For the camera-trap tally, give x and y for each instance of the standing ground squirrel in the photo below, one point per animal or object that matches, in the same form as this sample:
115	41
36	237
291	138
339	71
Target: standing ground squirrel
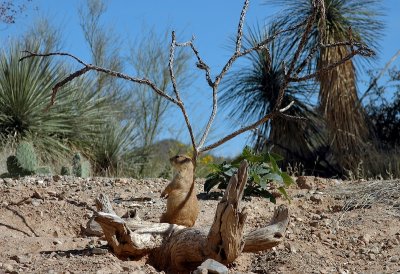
182	204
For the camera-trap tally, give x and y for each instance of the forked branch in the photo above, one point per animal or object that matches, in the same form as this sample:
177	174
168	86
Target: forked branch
292	72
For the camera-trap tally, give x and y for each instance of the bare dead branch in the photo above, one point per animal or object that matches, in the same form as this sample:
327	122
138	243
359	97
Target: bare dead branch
238	132
222	73
295	58
268	40
175	88
239	35
143	81
32	54
374	81
202	65
364	51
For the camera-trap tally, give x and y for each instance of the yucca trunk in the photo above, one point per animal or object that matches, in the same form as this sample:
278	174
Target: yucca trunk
340	106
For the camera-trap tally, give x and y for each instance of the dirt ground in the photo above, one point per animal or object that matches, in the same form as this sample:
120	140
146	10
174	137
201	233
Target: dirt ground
335	226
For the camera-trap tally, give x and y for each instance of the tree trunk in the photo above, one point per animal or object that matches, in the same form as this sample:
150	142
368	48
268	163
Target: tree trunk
176	248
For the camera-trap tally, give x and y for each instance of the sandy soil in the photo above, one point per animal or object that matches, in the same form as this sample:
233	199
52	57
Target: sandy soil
332	228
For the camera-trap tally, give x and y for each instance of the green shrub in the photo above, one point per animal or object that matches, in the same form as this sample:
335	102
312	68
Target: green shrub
25	94
263	171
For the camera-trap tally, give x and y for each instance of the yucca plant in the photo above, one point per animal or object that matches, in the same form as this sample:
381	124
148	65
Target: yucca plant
25	92
113	151
338	99
255	89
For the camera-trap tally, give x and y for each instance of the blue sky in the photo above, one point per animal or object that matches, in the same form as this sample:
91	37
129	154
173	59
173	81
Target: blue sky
212	22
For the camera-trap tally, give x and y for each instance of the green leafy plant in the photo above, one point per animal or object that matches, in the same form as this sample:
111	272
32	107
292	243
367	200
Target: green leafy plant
264	175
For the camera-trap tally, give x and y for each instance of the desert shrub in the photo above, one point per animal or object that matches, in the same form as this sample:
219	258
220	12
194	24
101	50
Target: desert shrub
25	92
113	152
264	173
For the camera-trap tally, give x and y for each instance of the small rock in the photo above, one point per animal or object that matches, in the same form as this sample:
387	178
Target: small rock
135	205
317	198
52	193
305	182
8	267
37	195
394	259
57	242
372	257
99	251
39	182
366	238
375	250
200	271
36	202
56	178
8	181
22	259
102	242
213	267
290	247
314	223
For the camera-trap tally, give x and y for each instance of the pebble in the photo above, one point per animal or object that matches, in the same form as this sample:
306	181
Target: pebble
99	251
372	257
57	242
394	259
35	202
316	198
314	223
375	250
8	267
212	266
22	259
366	238
290	247
305	182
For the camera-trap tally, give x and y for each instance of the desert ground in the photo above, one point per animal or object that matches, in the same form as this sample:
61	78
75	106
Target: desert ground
335	226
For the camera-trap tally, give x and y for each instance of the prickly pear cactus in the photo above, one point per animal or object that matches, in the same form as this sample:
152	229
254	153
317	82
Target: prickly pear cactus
26	157
80	166
12	166
65	170
43	170
85	169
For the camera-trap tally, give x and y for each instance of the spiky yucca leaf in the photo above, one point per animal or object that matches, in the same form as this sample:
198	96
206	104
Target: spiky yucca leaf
113	152
25	91
255	89
339	102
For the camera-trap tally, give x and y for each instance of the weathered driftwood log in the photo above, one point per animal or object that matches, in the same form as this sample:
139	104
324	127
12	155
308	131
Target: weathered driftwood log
176	248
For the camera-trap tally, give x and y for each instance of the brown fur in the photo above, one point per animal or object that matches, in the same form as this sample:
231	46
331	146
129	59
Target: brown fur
182	204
